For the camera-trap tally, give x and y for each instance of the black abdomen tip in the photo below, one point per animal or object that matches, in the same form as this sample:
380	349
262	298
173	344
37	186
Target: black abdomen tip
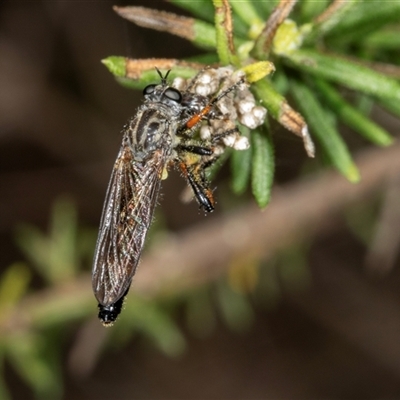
108	314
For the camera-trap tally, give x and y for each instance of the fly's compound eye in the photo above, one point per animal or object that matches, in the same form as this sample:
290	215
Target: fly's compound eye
149	89
173	94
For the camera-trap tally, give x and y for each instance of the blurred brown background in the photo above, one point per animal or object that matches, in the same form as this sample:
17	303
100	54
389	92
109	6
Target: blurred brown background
61	113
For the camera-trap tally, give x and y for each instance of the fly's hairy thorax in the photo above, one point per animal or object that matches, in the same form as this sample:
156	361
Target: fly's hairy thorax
153	128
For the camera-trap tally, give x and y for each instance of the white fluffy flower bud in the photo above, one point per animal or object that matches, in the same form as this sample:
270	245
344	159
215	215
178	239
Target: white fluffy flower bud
206	132
229	140
242	143
260	113
179	83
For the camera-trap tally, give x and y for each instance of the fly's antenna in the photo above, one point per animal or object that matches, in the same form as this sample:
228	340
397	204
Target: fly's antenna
163	78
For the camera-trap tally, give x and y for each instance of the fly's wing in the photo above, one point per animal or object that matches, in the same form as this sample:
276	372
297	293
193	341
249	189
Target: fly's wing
127	214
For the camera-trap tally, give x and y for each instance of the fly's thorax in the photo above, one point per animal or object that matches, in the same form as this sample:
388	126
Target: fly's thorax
193	102
151	129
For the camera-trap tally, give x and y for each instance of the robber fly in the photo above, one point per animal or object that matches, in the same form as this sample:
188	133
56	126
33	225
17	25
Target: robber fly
159	134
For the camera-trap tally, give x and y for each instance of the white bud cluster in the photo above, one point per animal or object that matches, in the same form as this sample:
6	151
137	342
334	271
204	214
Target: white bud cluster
242	143
179	83
206	132
207	83
234	139
240	105
250	114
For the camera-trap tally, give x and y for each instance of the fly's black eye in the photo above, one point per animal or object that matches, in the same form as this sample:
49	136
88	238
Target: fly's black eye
149	89
173	94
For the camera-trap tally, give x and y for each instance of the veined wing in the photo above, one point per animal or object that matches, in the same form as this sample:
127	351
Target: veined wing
127	214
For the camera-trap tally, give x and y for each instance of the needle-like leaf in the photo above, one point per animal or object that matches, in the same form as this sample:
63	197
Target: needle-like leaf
352	117
345	72
325	131
263	166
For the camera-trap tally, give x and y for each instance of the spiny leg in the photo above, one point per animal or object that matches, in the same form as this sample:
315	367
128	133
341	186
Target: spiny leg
203	113
196	178
216	138
199	150
186	128
194	170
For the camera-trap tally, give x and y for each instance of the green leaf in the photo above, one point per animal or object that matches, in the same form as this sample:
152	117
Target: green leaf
391	105
200	8
55	256
194	30
212	171
14	284
116	65
366	17
266	6
147	317
204	10
341	9
262	166
386	39
345	72
364	104
311	8
325	131
200	313
293	270
136	74
206	58
204	34
64	235
235	308
62	308
25	353
246	11
241	166
36	248
280	110
269	97
224	33
281	82
352	117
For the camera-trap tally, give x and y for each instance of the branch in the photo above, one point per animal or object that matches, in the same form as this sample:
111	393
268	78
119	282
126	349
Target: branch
204	253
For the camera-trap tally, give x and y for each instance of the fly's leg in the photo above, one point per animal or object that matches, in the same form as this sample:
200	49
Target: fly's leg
194	168
193	159
199	150
186	128
195	119
196	177
219	136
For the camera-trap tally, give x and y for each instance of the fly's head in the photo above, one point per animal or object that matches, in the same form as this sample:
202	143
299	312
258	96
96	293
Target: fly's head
154	126
163	94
